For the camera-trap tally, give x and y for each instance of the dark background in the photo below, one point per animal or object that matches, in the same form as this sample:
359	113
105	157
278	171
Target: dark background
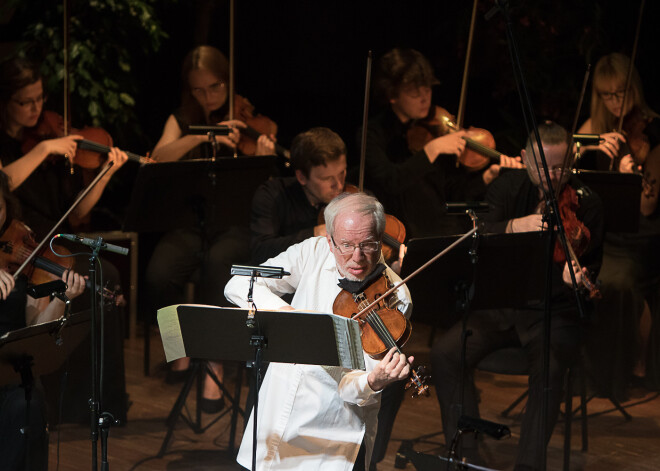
303	63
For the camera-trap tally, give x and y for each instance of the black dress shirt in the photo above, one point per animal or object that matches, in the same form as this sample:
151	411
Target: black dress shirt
513	195
281	216
410	186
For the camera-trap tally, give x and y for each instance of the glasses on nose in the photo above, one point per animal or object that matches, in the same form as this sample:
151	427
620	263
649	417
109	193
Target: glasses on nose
29	103
607	96
213	89
347	249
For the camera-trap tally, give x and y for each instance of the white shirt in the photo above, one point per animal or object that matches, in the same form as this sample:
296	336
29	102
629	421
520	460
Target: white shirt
310	417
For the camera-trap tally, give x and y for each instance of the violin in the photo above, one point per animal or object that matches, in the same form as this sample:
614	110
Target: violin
257	125
480	144
96	142
578	236
17	244
382	327
634	126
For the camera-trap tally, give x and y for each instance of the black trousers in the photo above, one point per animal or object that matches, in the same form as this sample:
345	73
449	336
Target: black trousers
390	402
492	330
20	451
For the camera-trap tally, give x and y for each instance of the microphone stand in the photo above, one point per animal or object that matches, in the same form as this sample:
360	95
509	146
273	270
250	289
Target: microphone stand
554	218
99	420
257	341
466	295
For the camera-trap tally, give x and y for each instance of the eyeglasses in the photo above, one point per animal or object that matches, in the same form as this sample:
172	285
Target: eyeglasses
213	89
347	249
607	96
30	103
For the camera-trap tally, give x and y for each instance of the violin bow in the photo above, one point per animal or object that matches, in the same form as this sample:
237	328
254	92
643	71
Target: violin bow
65	55
461	104
80	197
416	272
630	70
232	62
365	116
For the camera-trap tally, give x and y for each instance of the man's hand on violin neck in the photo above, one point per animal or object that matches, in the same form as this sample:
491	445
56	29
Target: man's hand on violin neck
393	367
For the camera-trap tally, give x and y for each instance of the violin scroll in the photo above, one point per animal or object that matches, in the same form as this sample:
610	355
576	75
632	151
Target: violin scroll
417	382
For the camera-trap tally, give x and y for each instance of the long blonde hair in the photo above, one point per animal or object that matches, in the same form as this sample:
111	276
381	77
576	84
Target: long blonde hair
206	58
613	69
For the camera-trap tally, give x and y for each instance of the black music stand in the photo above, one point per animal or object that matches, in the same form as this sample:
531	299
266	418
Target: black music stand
171	195
194	194
470	278
38	350
209	332
523	288
620	194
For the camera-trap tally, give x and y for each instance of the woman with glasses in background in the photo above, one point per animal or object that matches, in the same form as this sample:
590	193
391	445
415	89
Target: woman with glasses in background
624	339
205	78
641	130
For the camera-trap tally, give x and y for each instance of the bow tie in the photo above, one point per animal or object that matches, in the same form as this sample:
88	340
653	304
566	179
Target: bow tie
355	287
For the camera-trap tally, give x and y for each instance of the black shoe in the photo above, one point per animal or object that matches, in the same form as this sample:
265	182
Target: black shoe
176	376
212	406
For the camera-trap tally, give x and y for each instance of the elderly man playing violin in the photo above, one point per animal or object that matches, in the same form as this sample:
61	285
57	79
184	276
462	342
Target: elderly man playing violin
316	417
516	203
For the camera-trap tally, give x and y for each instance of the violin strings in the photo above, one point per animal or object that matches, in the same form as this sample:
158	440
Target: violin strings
376	323
379	328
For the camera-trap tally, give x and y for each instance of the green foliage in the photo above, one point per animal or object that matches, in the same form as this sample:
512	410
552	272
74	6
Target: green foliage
108	41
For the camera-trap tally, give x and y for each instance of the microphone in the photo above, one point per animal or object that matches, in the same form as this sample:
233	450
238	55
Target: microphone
217	129
260	271
587	139
95	243
461	208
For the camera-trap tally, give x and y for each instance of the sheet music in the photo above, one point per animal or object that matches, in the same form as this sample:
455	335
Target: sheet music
349	342
170	332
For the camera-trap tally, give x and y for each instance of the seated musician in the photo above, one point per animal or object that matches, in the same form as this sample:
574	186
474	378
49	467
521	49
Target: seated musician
629	146
414	185
629	277
515	199
322	417
205	76
286	210
180	254
47	188
18	310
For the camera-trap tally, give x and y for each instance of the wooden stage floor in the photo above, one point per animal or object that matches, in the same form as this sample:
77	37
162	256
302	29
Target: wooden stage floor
614	443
